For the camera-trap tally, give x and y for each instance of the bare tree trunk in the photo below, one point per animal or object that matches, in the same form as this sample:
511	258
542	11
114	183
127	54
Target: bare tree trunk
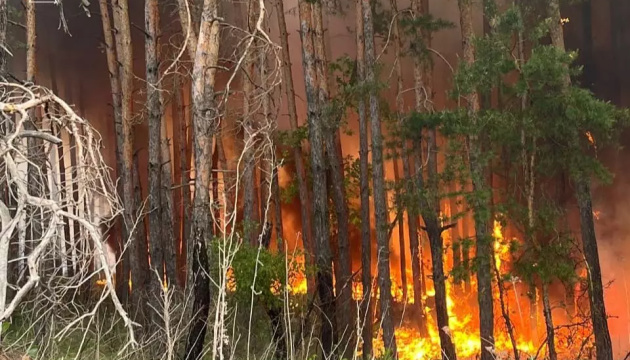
343	272
504	310
287	80
154	110
184	172
114	79
364	189
551	338
4	17
484	241
320	224
378	180
166	201
125	72
140	269
589	240
205	121
251	217
401	232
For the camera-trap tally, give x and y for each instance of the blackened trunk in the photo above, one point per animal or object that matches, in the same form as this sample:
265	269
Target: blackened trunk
439	283
603	343
551	337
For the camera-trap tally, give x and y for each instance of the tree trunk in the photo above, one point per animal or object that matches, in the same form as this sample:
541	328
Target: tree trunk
484	241
154	110
251	217
318	171
378	179
589	240
551	338
430	206
140	269
401	232
125	72
300	172
4	17
343	273
603	343
504	309
114	80
205	120
364	189
167	211
184	171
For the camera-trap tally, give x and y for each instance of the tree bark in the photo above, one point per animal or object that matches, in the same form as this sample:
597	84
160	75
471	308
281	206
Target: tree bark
140	269
4	17
603	344
430	205
324	278
125	72
184	171
378	180
300	172
401	232
205	119
551	338
154	110
484	242
364	189
167	211
251	217
343	273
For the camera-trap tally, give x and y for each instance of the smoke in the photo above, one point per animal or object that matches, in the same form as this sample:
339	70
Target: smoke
79	67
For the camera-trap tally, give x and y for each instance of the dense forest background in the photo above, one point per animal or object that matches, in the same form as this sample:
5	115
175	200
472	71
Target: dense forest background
74	65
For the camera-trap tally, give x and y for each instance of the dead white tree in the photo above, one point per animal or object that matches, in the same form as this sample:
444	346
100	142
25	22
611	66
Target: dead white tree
93	203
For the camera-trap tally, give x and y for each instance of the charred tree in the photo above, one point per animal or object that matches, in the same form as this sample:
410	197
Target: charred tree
603	343
477	170
324	278
205	119
364	190
378	180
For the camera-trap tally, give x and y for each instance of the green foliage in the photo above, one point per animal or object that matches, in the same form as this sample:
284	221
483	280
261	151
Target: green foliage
262	271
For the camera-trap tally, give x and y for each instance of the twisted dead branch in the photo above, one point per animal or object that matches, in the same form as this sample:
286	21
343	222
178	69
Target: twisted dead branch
52	206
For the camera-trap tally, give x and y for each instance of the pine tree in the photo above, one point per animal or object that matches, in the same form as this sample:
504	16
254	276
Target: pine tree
484	243
378	181
205	120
